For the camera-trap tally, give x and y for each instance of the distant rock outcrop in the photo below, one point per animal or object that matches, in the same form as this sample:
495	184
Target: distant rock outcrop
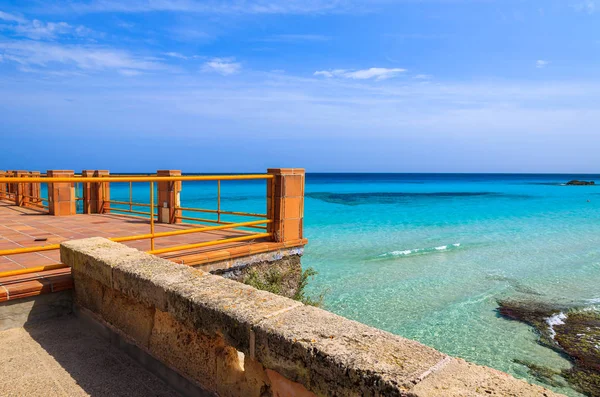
580	183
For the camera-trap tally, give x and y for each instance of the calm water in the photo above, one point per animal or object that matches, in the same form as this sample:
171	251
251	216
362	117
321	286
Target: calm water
426	256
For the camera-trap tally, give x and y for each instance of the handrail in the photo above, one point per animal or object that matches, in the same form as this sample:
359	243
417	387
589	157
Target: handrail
134	178
139	237
222	212
209	243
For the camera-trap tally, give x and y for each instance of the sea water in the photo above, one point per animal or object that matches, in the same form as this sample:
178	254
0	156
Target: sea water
427	256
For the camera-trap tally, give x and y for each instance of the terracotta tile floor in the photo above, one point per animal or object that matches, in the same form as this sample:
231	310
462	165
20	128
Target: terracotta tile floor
21	227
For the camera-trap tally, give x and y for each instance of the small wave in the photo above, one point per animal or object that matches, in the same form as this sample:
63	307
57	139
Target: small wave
401	253
593	301
555	319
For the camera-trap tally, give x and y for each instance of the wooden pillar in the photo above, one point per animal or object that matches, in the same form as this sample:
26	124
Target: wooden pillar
21	189
96	195
2	186
61	195
35	189
87	192
285	203
169	198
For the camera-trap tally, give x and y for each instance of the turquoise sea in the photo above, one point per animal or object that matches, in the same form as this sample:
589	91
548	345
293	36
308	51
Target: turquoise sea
426	256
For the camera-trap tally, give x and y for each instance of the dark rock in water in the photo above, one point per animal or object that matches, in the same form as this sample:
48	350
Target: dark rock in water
580	183
571	331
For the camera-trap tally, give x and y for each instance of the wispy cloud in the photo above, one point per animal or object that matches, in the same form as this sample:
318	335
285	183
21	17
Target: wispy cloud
216	6
423	76
364	74
11	17
36	29
223	66
540	64
87	58
286	38
179	55
588	6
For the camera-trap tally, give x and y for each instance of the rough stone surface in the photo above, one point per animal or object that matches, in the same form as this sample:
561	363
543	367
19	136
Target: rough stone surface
209	323
333	355
192	353
460	378
213	304
147	278
96	257
132	317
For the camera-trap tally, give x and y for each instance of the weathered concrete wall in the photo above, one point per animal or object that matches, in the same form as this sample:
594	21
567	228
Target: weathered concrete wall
234	340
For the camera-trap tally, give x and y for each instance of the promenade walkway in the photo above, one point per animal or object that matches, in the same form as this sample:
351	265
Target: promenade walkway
26	227
61	357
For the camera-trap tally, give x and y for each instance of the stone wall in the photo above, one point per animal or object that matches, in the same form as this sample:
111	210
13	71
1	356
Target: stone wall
234	340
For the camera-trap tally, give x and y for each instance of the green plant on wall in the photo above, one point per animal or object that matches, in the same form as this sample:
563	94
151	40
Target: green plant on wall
272	281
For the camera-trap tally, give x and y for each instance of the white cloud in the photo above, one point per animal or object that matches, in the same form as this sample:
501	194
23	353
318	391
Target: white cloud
179	55
36	29
89	58
364	74
224	66
11	17
176	55
588	6
285	38
218	6
540	64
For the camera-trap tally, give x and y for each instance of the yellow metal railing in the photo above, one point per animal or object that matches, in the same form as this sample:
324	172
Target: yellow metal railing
152	179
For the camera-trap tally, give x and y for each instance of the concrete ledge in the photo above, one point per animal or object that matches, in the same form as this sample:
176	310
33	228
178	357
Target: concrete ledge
237	341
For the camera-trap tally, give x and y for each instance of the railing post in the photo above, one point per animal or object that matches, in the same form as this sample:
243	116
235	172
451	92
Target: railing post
103	189
96	195
285	203
9	186
2	186
35	188
20	189
169	198
86	188
61	196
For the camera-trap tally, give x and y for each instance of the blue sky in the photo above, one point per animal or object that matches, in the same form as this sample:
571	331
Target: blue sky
234	86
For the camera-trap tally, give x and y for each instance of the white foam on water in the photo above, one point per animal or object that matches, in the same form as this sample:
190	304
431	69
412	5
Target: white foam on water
593	300
420	250
556	319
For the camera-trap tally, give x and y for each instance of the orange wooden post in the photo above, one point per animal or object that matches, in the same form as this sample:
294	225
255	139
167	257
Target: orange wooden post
87	193
35	188
285	203
61	196
21	189
2	186
169	198
96	195
9	186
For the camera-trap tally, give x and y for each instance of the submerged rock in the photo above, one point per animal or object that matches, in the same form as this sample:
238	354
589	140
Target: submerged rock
573	331
580	183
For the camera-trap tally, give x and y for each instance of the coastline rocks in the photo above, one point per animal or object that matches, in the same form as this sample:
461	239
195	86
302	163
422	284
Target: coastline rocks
580	183
572	331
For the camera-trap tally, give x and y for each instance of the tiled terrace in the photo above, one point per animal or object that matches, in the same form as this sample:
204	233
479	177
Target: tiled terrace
26	227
